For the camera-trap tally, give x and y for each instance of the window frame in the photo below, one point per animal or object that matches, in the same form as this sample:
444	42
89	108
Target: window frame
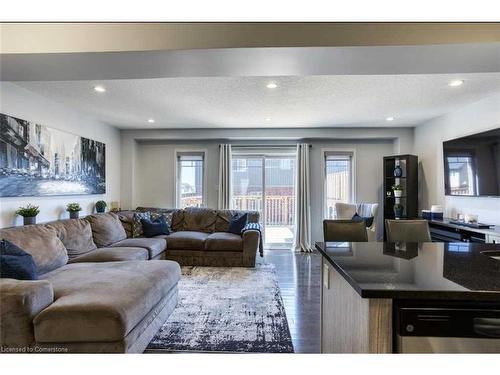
325	152
461	154
177	189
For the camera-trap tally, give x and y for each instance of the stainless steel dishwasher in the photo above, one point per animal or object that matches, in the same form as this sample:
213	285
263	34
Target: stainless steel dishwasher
453	329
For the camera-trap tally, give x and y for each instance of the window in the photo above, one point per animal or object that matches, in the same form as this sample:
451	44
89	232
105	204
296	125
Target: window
461	175
190	179
263	179
240	165
338	180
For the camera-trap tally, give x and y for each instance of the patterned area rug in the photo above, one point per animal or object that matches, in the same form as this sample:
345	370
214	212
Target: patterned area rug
226	309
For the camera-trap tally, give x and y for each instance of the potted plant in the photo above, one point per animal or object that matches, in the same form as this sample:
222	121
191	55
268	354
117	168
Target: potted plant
398	210
28	213
100	206
398	190
74	210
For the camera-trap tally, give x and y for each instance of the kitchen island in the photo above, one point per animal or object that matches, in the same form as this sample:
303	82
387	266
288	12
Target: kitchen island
406	297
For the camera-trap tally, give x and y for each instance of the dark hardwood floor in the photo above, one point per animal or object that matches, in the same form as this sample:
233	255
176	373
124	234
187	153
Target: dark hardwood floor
299	280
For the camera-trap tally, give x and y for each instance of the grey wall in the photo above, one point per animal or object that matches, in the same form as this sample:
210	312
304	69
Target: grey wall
156	174
18	102
474	118
148	166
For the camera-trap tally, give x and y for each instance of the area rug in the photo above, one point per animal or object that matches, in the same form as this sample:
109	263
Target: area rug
226	309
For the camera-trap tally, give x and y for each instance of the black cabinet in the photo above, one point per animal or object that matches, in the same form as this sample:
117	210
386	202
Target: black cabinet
443	231
401	170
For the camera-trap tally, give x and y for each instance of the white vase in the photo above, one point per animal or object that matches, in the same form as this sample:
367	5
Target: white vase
398	193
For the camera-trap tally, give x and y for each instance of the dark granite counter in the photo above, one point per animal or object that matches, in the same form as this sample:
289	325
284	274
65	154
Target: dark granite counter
443	271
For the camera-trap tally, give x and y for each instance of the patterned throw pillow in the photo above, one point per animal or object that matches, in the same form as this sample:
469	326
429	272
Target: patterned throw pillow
137	230
166	215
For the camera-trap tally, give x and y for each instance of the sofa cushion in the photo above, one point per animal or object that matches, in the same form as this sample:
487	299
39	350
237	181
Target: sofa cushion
167	216
224	217
15	263
113	254
20	302
199	219
76	235
41	242
187	240
174	216
223	241
368	220
237	223
154	246
103	301
178	220
106	229
126	217
137	230
152	228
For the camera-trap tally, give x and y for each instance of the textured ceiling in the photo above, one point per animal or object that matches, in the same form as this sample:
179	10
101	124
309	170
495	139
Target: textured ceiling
298	101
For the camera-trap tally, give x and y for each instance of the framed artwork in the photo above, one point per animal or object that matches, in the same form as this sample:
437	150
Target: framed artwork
36	160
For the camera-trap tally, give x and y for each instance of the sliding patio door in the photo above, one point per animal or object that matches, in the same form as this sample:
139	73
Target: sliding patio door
265	182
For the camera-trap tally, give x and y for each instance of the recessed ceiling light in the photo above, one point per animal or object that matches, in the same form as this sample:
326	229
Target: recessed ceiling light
268	119
271	85
390	118
151	120
456	83
99	89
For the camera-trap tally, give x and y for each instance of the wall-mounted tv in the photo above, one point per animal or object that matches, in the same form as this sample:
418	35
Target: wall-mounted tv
472	165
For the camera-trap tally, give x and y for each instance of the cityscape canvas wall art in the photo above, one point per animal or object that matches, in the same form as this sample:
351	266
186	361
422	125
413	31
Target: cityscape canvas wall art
36	160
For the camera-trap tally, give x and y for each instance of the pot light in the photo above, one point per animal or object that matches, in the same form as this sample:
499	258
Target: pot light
456	83
151	120
271	85
268	119
99	89
390	118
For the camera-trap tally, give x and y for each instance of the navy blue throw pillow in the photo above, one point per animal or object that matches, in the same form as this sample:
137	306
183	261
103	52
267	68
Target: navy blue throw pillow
237	223
15	263
368	220
155	228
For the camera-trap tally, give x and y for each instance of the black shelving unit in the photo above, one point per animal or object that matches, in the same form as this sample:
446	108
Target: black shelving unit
409	181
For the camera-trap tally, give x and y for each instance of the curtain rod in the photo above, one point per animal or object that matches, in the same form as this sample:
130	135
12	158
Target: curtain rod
266	146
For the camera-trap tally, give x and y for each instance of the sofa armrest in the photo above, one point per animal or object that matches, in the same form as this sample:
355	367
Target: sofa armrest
251	240
20	302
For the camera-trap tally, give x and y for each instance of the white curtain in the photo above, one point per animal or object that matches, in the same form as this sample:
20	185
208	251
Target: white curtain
303	201
224	201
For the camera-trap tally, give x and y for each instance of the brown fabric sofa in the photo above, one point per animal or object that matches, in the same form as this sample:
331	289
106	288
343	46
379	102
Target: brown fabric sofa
200	237
95	292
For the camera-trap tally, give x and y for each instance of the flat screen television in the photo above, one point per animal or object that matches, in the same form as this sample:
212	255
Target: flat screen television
472	165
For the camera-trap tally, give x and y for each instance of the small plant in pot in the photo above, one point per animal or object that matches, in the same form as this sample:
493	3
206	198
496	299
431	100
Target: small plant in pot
100	206
28	213
398	190
398	210
74	210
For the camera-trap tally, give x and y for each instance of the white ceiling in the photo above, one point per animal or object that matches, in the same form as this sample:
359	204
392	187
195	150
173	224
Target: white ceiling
245	102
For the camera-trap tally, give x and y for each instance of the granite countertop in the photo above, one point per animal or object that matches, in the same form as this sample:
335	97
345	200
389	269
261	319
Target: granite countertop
444	271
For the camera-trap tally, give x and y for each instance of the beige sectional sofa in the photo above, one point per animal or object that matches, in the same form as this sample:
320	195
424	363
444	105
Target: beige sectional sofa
200	236
95	293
